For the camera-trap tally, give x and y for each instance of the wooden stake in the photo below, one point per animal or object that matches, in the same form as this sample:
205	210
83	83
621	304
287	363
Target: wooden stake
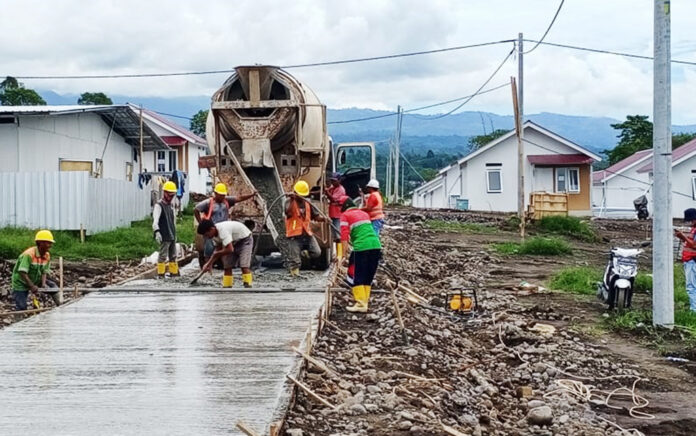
60	286
311	393
397	310
274	429
25	312
452	431
317	363
246	429
82	234
76	293
117	264
335	327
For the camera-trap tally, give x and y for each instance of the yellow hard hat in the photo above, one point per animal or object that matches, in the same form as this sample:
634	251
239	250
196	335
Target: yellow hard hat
169	187
44	235
221	188
302	188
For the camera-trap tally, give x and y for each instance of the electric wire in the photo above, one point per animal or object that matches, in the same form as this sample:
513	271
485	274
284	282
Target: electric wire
547	29
228	71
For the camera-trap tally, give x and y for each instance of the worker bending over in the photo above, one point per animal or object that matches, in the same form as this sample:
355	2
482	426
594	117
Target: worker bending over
164	231
234	244
689	256
32	267
335	192
299	214
217	209
373	205
357	229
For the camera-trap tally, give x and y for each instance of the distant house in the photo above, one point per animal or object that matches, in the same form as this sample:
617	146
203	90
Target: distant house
103	140
487	178
185	148
615	188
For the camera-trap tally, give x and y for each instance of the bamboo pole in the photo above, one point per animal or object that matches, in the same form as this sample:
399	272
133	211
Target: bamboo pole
25	312
317	363
60	285
247	430
311	393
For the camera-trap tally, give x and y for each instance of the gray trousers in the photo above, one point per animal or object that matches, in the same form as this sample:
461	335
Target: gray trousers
299	243
167	251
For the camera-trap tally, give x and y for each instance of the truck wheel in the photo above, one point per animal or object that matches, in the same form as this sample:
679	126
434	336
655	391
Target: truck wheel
324	260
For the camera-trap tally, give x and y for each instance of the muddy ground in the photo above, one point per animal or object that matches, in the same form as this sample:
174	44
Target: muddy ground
495	372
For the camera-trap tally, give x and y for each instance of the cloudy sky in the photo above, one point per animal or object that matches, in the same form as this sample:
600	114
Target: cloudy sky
110	37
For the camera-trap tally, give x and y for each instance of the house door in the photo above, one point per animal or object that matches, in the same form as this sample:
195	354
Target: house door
543	179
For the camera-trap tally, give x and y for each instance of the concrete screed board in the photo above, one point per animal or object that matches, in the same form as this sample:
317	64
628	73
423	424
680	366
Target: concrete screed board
154	364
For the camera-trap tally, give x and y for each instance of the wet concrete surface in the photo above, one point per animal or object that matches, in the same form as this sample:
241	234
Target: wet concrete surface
151	364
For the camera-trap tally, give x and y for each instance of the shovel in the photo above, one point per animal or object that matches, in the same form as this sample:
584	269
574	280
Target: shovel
200	274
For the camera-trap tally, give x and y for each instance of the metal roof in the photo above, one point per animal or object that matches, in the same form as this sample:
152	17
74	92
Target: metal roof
173	127
678	155
125	120
620	166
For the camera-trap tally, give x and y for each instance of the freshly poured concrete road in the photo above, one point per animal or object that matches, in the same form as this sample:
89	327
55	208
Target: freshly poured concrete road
151	364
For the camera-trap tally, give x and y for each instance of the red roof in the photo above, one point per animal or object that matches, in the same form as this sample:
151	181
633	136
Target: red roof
677	154
621	165
173	140
559	159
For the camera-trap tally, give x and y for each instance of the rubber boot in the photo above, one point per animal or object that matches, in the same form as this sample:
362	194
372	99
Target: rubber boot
247	279
161	268
174	269
339	251
359	296
227	281
366	301
295	272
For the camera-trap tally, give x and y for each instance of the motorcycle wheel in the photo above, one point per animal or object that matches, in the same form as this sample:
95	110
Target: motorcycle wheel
621	298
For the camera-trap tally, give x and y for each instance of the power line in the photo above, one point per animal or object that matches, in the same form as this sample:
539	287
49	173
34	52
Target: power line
228	71
616	53
547	29
393	114
478	90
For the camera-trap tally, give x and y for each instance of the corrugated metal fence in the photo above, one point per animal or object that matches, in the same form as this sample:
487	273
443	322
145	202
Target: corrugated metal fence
66	200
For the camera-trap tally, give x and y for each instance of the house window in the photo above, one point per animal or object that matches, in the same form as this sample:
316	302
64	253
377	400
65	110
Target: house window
172	160
494	180
129	171
568	180
161	161
693	187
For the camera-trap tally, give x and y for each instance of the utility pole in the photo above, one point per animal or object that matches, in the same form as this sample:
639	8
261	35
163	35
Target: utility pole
388	180
397	153
140	155
663	261
519	125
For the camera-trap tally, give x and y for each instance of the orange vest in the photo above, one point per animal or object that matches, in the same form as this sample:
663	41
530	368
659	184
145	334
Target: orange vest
374	207
296	224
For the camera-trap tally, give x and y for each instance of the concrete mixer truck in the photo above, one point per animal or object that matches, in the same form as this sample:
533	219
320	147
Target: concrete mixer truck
267	131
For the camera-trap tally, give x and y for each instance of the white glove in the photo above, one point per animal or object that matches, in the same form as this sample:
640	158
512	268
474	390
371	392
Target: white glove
158	237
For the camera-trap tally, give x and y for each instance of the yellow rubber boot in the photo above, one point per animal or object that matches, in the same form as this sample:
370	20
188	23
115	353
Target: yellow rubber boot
359	296
295	272
367	296
339	250
247	279
161	268
174	269
227	281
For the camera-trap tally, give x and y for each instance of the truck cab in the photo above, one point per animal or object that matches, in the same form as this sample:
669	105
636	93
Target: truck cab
356	162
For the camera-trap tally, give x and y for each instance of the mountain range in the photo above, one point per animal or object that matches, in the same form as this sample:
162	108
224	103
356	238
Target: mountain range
420	133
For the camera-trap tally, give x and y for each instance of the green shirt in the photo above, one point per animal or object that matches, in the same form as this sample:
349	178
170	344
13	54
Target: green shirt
34	265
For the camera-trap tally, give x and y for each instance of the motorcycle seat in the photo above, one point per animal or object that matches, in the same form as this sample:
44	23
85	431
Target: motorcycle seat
626	252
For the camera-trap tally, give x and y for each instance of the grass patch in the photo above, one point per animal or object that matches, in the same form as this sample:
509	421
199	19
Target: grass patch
567	226
127	243
458	227
536	246
576	280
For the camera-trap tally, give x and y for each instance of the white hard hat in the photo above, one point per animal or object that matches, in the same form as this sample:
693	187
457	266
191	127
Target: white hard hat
374	183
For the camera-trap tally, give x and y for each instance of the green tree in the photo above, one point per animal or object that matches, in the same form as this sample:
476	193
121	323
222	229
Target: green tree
680	139
636	134
94	98
13	93
198	123
478	141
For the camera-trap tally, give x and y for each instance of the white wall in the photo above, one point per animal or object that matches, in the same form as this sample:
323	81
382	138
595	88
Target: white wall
45	139
618	193
681	184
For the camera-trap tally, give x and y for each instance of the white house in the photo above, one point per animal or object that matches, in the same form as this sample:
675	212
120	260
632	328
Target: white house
615	188
487	179
185	148
103	140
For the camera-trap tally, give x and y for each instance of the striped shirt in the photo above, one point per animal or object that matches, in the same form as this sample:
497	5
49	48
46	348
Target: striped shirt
356	227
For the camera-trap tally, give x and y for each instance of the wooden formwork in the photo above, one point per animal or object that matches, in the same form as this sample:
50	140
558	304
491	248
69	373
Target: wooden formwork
543	204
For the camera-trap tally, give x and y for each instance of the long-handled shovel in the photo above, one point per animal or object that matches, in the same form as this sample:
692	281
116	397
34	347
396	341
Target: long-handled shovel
200	274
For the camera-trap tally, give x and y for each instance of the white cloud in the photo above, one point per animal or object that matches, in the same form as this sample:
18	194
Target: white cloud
103	37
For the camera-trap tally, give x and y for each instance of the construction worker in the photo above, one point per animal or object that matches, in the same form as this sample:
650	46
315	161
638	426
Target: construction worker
234	244
357	229
217	209
164	231
299	214
335	192
32	267
373	205
689	256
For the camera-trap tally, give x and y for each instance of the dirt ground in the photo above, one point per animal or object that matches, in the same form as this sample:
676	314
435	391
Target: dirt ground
493	373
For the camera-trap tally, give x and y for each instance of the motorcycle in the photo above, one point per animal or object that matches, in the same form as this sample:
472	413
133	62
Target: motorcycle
641	206
616	289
